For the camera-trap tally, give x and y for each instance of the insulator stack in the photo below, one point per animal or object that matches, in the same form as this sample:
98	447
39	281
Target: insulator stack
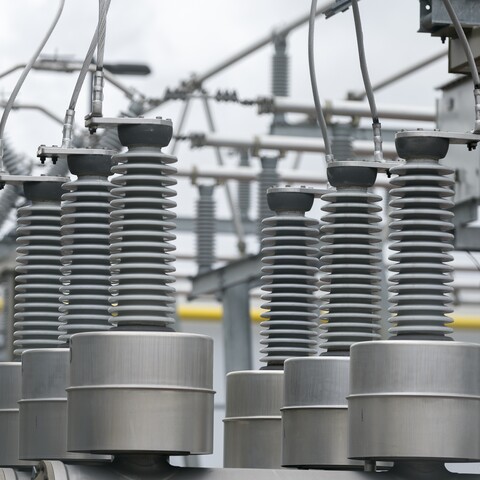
342	141
141	225
38	268
85	246
290	257
351	271
268	178
244	188
205	228
421	232
280	68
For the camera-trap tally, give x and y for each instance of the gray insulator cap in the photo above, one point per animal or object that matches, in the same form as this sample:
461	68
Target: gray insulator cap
422	147
43	191
145	134
97	165
339	176
290	201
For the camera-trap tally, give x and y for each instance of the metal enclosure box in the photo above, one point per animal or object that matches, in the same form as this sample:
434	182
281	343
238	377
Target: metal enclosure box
434	18
457	61
456	113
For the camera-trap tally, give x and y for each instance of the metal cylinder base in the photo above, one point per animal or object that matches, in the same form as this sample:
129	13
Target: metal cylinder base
415	400
315	414
43	407
141	392
253	424
10	392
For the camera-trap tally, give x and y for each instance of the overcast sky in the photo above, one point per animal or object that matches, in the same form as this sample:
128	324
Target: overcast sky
185	36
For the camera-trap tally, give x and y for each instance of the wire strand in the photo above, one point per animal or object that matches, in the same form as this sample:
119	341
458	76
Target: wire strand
102	26
363	61
26	70
313	80
463	40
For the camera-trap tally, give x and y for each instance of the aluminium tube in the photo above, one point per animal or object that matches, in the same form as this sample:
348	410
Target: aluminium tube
283	144
346	108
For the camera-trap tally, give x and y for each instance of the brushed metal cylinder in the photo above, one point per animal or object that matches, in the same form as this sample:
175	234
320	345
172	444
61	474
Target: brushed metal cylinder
10	392
415	400
15	474
43	407
141	392
315	413
253	424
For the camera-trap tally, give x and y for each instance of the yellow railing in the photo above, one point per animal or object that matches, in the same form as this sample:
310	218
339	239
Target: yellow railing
214	313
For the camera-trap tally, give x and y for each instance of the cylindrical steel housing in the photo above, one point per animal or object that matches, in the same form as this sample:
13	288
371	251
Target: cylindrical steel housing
252	424
315	414
43	407
141	392
415	400
10	391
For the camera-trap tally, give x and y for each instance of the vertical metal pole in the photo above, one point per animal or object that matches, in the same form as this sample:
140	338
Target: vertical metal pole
237	221
243	186
181	123
237	328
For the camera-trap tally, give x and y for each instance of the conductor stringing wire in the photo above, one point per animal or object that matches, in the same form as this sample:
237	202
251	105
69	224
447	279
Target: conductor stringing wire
23	76
470	59
70	113
313	80
376	125
102	29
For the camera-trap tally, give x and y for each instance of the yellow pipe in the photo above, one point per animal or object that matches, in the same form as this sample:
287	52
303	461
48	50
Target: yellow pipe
215	313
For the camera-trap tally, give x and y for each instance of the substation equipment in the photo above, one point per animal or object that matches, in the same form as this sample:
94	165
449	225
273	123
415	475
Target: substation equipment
104	387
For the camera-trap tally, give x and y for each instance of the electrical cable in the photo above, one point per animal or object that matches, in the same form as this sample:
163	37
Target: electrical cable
377	128
70	113
470	59
25	72
363	61
313	79
104	5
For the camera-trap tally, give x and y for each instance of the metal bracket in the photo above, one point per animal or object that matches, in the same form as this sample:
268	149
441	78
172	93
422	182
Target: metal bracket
316	192
340	6
55	152
381	167
456	138
6	179
92	123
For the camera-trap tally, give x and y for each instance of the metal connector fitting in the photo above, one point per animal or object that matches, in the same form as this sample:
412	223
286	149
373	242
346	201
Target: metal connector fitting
476	93
68	127
97	101
377	143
